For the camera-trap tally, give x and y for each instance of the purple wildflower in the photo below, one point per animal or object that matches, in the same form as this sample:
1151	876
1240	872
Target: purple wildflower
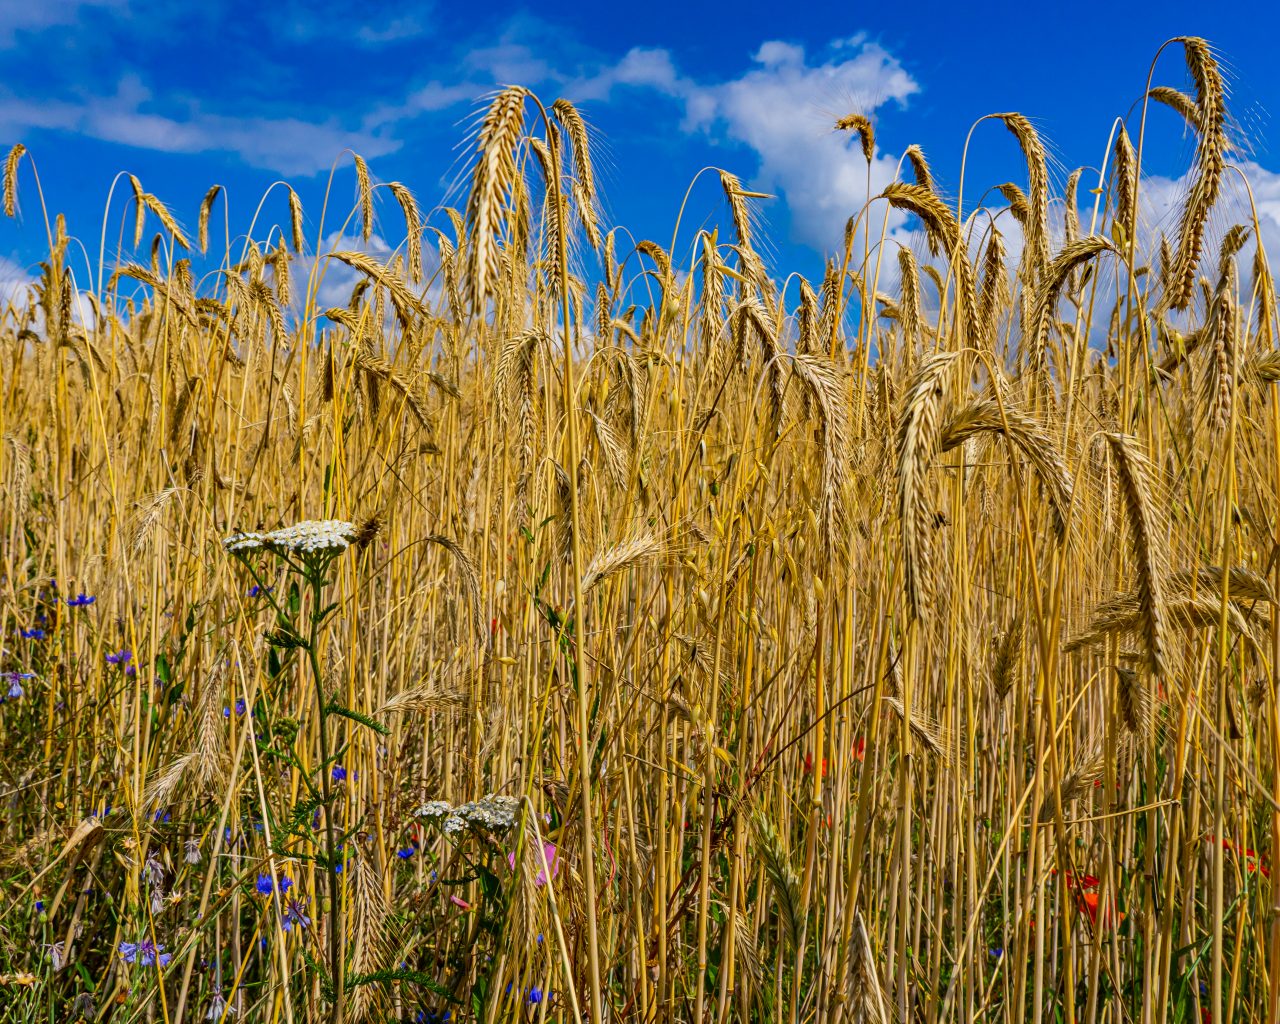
121	657
81	600
145	952
15	682
33	634
295	913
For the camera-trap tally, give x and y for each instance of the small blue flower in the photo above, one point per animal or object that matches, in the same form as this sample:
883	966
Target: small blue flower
33	634
241	706
339	773
39	906
145	952
15	682
406	853
81	600
997	951
295	914
121	657
265	884
257	591
535	994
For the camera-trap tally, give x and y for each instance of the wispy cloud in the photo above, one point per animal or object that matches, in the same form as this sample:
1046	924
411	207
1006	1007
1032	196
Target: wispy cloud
131	117
19	16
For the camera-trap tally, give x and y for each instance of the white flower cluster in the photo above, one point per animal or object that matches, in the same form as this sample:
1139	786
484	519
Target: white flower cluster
314	536
494	813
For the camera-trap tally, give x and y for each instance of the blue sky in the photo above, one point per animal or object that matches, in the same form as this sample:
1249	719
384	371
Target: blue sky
243	93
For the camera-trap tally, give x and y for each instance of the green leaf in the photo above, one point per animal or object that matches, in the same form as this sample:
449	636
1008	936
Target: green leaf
356	716
326	983
285	639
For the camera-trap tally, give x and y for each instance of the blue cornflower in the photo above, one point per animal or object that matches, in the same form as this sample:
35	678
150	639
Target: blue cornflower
39	906
295	914
997	951
81	600
266	884
15	682
257	591
535	994
339	773
33	634
406	853
121	657
241	706
145	952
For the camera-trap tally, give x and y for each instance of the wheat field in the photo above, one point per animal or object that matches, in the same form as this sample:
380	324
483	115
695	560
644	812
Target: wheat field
565	628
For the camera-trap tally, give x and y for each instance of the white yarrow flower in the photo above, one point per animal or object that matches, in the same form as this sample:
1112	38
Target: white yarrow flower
434	809
313	536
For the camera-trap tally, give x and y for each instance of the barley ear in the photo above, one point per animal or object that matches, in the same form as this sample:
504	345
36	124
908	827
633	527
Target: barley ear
1134	473
866	132
1210	164
783	881
365	186
917	445
11	179
206	208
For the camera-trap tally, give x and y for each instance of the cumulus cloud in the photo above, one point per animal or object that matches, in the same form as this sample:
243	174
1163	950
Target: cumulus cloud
782	110
1161	202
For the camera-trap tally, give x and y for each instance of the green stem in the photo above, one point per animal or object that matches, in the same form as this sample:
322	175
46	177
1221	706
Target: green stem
337	924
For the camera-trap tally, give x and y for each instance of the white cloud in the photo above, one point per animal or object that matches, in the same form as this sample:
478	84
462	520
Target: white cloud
641	67
288	145
784	109
14	281
1161	198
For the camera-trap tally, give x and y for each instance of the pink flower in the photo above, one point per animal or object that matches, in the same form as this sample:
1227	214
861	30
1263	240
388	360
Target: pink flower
548	851
459	901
